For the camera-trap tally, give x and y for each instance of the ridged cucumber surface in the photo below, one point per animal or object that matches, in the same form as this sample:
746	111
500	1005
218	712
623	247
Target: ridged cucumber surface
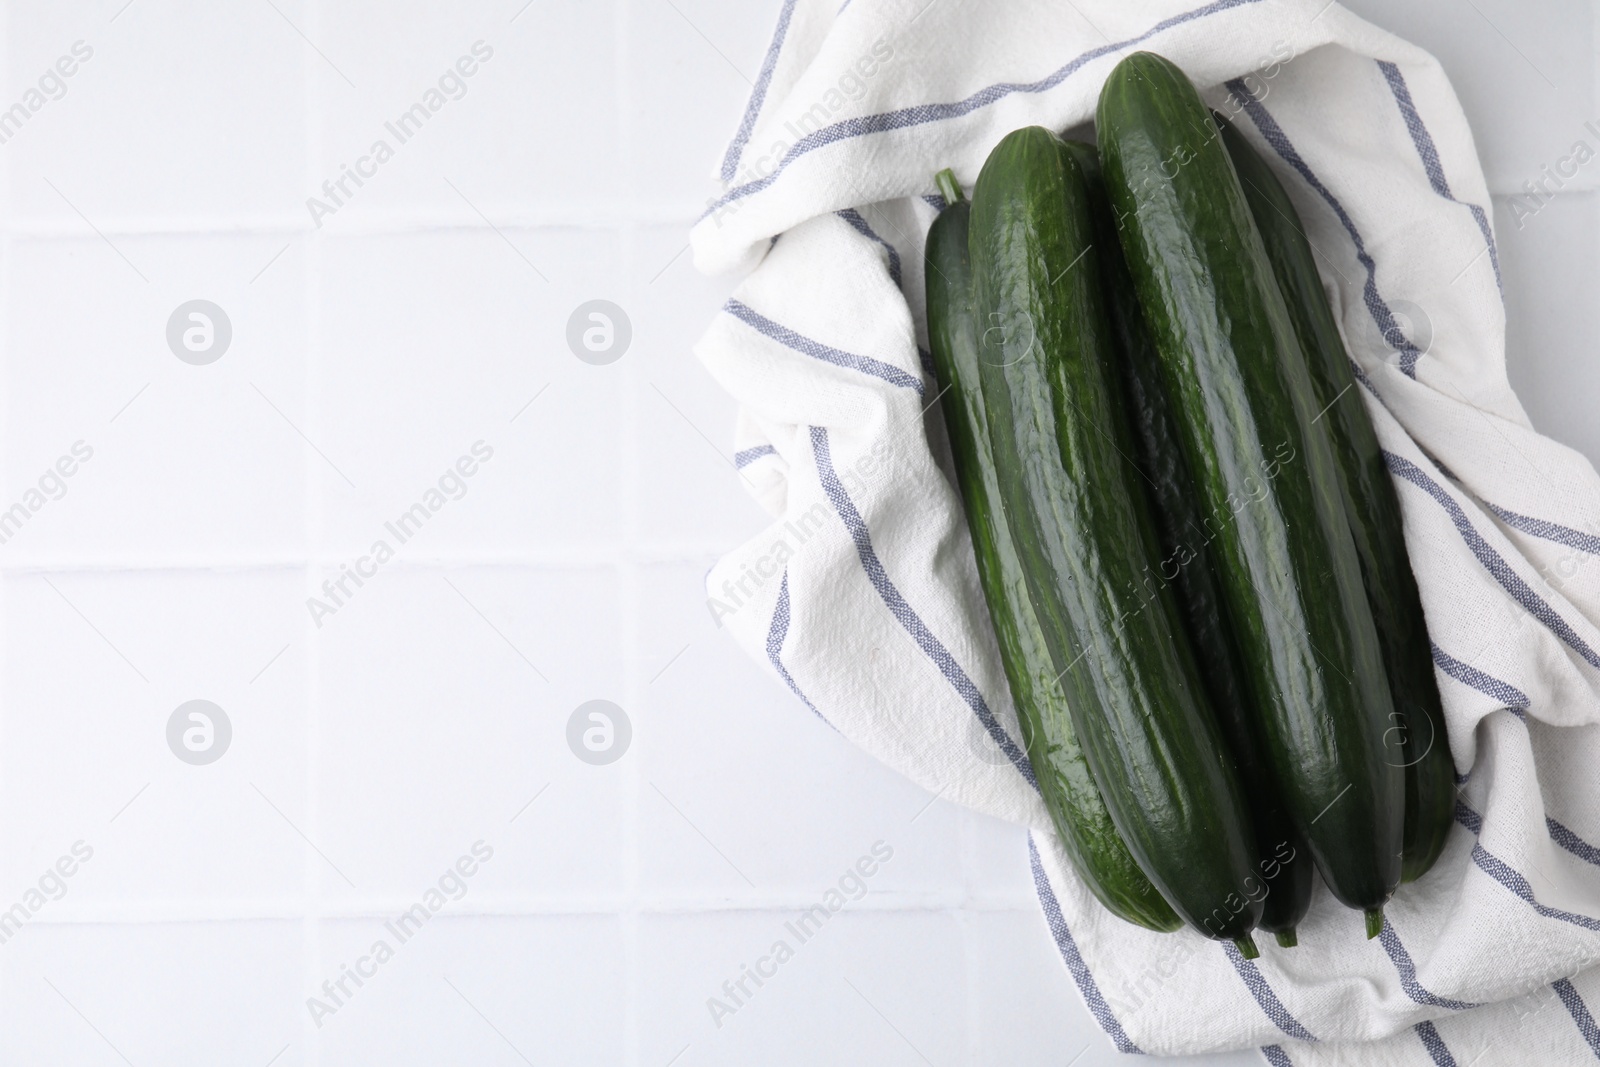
1086	541
1264	471
1418	740
1080	816
1285	872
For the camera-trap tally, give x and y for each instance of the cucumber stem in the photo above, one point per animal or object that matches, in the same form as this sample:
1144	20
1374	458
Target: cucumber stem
1247	947
949	188
1374	922
1287	938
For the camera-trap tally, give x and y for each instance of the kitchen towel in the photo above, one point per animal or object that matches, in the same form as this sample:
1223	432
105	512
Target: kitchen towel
862	594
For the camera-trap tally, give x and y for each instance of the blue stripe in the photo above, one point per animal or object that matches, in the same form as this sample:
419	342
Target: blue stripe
1559	833
775	635
1482	219
1408	973
1500	871
922	114
1429	1036
1377	307
1275	1056
1073	958
930	645
1579	1012
853	217
1430	158
817	350
1549	531
1570	841
1361	376
1492	561
1257	984
746	456
758	94
1505	692
934	200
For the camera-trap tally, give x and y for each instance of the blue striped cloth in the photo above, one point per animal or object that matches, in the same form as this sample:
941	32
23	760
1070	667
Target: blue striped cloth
862	593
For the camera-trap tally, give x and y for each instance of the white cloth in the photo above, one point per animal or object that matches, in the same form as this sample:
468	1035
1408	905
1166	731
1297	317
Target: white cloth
863	592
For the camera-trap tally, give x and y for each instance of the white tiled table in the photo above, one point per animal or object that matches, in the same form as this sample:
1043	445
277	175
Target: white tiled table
422	716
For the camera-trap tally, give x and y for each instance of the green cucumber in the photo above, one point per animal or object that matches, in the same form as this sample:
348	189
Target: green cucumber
1374	513
1186	562
1264	472
1086	541
1082	822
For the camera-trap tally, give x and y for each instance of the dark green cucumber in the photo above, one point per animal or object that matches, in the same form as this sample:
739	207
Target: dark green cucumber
1283	884
1264	472
1417	741
1081	820
1085	539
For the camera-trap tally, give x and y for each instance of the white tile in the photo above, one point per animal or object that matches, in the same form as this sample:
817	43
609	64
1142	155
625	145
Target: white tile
688	487
732	763
691	66
1549	265
180	114
435	728
155	993
96	666
996	858
530	134
476	990
907	971
1026	1009
188	461
433	342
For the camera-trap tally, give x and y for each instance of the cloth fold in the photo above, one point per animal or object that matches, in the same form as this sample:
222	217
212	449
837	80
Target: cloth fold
863	595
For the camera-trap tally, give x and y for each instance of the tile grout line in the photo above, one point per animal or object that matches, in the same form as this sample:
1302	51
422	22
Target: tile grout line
191	911
395	225
311	102
556	559
633	692
628	579
970	865
6	299
972	1017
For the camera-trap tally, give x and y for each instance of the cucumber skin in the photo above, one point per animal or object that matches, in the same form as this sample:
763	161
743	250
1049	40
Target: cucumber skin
1373	509
1082	822
1186	562
1086	541
1232	365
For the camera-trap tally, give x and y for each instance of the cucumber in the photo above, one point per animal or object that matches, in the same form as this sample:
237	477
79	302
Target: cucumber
1081	820
1086	541
1186	563
1373	511
1264	472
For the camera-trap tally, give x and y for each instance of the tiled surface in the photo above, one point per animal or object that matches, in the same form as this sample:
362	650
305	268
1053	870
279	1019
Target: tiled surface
425	711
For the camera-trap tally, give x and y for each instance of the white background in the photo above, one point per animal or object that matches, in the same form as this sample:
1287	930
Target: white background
371	752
